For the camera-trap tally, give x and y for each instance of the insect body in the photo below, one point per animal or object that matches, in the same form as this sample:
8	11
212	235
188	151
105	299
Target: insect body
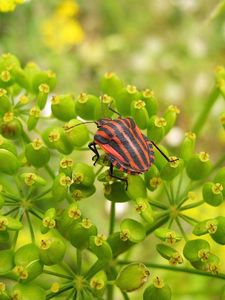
125	145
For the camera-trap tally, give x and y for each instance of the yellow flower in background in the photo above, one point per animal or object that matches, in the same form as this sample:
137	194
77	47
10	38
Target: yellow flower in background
9	5
62	30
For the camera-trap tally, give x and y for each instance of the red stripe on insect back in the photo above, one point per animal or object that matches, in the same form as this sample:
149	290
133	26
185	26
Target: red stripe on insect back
108	149
134	141
136	161
118	144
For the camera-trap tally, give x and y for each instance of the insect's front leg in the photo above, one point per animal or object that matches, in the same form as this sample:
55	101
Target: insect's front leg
113	176
93	148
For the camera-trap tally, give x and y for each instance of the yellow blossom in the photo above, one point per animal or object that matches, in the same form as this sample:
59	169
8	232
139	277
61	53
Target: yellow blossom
61	30
9	5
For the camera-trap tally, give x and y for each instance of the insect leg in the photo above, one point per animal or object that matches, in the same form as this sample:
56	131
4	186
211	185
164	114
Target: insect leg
93	148
113	176
163	154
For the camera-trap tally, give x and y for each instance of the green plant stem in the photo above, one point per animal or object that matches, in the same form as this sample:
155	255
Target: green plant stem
34	213
170	222
206	107
99	170
11	196
42	194
185	192
62	290
188	219
172	193
10	211
168	194
192	205
112	217
159	222
79	261
181	229
179	185
50	171
158	204
177	269
97	266
218	164
110	290
57	274
182	202
125	296
69	297
30	227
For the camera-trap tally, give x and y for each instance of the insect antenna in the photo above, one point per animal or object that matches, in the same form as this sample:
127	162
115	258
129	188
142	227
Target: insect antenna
66	127
163	154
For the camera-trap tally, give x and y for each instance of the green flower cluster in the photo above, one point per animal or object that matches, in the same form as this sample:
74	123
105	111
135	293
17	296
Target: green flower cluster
33	195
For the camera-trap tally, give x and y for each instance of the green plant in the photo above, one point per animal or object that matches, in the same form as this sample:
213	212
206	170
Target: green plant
44	180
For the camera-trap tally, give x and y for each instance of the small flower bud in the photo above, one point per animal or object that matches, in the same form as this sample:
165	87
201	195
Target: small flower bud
132	277
188	146
170	116
134	230
193	249
77	136
85	106
6	256
9	163
52	250
212	193
83	174
11	127
125	98
156	128
219	234
144	209
111	84
172	169
100	247
199	166
136	187
63	107
139	113
151	102
167	235
37	154
81	232
28	291
28	262
158	290
43	77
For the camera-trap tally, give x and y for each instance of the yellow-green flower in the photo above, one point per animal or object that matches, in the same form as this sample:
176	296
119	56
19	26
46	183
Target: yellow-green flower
9	5
61	30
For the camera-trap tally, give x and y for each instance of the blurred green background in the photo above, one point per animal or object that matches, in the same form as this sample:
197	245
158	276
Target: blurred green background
170	46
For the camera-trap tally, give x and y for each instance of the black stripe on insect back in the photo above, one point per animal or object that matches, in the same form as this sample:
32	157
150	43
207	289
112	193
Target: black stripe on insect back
135	138
135	151
138	136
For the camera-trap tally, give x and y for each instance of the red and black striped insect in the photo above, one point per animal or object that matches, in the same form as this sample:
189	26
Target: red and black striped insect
126	147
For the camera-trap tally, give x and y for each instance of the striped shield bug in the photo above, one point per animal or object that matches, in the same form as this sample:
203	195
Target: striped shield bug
125	146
